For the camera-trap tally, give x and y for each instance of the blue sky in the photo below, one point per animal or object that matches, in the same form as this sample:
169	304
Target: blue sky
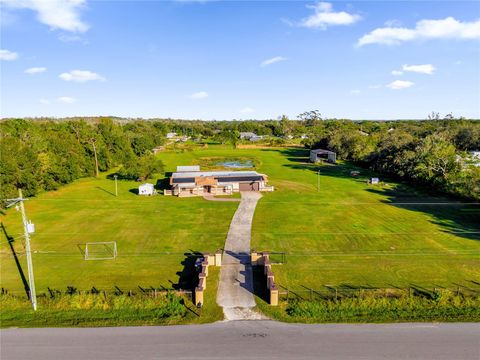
238	59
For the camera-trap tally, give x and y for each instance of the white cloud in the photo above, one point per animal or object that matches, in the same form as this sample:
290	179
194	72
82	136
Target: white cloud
35	70
44	101
8	55
400	84
247	110
67	38
397	72
81	76
58	14
199	95
272	60
448	28
421	69
66	100
355	92
393	23
324	16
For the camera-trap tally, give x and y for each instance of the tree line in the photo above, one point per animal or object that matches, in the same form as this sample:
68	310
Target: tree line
38	155
43	154
429	153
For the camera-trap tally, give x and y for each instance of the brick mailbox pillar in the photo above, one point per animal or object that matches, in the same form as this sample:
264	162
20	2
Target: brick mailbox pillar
202	281
218	258
273	295
198	296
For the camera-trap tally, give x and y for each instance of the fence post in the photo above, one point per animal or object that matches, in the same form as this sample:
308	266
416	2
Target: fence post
336	294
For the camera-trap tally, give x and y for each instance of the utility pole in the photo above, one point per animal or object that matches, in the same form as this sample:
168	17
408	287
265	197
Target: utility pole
95	154
27	228
318	180
116	187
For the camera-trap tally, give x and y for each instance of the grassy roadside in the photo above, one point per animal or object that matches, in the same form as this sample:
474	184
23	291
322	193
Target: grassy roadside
447	307
87	310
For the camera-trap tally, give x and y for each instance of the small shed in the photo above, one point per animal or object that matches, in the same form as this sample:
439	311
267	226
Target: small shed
374	180
146	189
319	154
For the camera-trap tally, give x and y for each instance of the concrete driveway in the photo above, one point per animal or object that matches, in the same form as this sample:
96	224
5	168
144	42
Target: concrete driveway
235	289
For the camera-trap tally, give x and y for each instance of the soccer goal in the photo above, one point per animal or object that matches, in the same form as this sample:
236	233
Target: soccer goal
101	250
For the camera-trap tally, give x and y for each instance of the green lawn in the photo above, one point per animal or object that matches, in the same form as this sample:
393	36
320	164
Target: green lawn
152	235
353	234
348	233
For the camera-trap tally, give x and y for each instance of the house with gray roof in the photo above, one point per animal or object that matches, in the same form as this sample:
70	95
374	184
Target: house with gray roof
200	183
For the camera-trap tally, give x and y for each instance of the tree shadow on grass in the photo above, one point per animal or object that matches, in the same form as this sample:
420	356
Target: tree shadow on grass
104	190
453	215
297	155
10	241
461	219
188	277
163	184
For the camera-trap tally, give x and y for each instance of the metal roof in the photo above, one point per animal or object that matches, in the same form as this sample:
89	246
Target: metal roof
239	178
221	176
213	173
188	168
321	151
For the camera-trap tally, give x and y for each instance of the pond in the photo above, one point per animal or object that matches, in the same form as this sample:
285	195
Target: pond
236	164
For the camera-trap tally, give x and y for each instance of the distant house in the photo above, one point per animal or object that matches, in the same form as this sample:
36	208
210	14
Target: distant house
171	135
250	136
475	157
199	183
320	154
469	159
247	135
374	180
146	189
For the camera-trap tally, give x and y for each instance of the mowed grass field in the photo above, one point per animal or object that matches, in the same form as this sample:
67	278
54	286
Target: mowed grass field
152	236
347	233
338	230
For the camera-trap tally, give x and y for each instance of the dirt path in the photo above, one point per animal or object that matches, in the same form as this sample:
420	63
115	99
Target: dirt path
235	290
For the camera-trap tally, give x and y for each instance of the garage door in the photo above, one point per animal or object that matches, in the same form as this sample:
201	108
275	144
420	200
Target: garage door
254	186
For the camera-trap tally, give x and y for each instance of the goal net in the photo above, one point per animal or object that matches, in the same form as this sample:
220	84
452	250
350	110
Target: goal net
101	250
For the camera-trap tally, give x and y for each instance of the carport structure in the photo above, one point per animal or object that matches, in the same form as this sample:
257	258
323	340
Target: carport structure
318	155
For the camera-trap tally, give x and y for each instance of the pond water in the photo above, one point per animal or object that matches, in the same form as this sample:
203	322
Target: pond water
236	164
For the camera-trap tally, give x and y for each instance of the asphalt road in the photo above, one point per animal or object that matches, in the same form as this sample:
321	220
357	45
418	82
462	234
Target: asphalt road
247	340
